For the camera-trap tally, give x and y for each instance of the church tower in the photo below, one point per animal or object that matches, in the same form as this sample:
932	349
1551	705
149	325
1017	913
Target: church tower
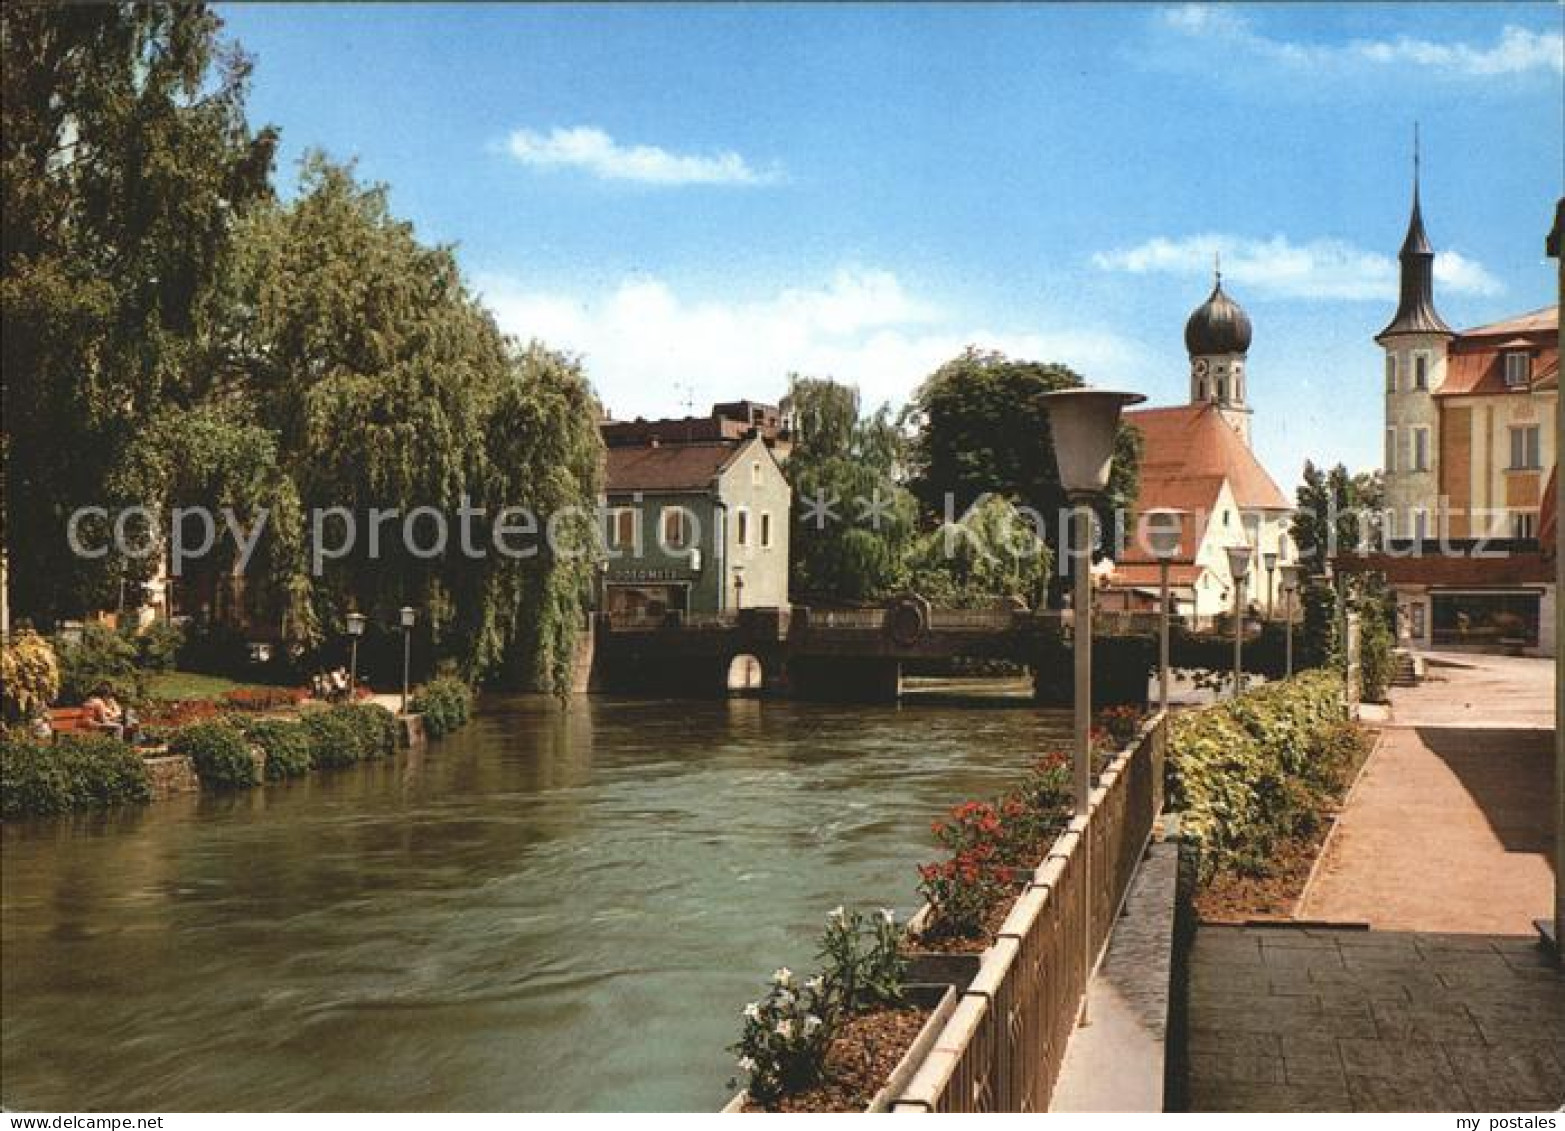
1217	337
1415	347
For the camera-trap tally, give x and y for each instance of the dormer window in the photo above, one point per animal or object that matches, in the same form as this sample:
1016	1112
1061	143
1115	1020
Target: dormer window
1518	369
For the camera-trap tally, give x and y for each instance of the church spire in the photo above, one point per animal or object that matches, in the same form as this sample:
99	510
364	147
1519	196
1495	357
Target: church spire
1416	312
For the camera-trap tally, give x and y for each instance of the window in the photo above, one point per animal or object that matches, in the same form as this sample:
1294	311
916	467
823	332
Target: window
1391	372
1420	449
755	474
622	529
1420	524
1524	524
1201	393
1420	371
1391	449
1524	448
676	528
1222	388
1518	369
742	527
766	530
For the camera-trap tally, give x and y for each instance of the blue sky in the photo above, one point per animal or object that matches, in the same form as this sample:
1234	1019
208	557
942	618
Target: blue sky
699	199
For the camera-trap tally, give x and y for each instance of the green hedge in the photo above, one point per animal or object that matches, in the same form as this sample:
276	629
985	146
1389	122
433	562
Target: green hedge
101	656
72	772
349	733
220	753
287	745
374	728
446	704
1250	773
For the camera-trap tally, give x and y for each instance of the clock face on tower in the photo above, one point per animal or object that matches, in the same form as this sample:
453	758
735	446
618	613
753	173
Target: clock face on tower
1200	367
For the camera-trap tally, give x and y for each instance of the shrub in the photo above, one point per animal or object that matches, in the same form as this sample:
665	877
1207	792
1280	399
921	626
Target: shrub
783	1045
102	656
73	772
286	744
1256	770
334	742
157	646
1120	724
374	728
445	703
220	753
29	677
960	891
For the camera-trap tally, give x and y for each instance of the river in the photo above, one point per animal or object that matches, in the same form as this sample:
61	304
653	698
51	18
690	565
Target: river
554	909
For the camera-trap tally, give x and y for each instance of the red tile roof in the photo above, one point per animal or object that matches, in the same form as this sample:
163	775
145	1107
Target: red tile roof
1543	320
1139	574
1475	366
666	467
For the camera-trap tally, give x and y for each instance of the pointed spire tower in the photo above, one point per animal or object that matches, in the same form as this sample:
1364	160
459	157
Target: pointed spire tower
1415	343
1416	313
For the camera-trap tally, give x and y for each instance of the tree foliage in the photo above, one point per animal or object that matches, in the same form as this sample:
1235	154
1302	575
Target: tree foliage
1337	512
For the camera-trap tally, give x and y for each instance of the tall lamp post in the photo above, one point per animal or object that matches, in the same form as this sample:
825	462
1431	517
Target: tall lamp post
1163	527
1269	560
409	616
1239	568
1084	423
355	630
1290	585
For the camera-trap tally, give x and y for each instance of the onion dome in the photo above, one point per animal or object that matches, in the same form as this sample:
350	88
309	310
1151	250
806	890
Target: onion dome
1219	325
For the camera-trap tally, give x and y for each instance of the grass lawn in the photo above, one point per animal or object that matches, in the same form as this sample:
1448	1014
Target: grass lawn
189	685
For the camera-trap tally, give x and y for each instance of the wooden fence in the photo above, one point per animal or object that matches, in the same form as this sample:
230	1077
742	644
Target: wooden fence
1003	1046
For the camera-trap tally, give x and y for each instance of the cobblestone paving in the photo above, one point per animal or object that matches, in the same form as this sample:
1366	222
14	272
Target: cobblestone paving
1293	1019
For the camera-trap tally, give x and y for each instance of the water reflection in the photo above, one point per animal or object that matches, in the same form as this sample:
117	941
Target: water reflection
557	909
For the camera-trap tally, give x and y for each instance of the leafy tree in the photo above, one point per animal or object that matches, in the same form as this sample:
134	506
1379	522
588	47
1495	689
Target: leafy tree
995	552
126	158
852	521
1337	512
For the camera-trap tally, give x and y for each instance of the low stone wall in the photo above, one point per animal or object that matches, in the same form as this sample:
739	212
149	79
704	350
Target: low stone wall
1003	1047
171	775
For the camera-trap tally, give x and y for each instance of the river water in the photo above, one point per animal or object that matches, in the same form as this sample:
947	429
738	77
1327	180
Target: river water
555	909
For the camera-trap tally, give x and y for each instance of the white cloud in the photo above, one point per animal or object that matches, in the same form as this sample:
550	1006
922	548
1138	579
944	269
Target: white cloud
594	151
1320	269
1517	50
648	348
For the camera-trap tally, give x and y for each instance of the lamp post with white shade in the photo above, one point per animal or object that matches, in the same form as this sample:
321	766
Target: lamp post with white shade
1290	585
1269	560
408	616
1164	526
1239	568
356	623
1084	423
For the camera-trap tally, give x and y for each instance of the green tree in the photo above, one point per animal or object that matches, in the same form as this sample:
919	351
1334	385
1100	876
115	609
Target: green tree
1337	513
852	521
982	427
126	158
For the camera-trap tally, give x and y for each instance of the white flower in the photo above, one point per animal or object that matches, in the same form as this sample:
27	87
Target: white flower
888	915
785	1029
811	1023
786	998
747	1063
783	976
752	1012
838	913
814	984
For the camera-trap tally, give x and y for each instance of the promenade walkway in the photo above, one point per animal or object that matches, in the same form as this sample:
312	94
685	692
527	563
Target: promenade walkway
1448	1001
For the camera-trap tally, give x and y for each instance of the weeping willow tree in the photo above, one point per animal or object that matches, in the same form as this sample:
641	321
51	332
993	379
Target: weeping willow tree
391	392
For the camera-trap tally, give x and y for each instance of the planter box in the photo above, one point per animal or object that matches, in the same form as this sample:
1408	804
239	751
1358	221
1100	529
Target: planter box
942	1000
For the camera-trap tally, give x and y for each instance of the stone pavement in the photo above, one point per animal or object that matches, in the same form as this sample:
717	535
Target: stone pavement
1295	1019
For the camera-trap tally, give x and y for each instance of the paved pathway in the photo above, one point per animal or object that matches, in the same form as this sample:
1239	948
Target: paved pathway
1288	1019
1449	1003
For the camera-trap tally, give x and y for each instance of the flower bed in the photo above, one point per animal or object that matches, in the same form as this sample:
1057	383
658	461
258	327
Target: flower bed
811	1048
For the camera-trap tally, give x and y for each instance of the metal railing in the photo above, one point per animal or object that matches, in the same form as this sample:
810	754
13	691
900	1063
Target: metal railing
1004	1045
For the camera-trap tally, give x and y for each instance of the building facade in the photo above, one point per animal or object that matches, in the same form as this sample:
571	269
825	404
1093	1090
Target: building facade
1197	458
695	528
1470	445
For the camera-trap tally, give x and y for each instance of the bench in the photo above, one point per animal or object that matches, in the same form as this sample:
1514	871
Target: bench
73	720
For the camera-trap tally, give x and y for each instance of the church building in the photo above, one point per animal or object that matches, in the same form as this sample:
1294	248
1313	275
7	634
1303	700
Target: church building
1196	457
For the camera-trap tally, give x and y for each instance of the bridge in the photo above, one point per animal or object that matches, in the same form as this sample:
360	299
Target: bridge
858	655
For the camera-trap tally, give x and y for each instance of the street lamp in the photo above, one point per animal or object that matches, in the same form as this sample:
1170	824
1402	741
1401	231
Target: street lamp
1290	585
1269	560
1164	526
408	615
1084	424
1239	568
355	630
